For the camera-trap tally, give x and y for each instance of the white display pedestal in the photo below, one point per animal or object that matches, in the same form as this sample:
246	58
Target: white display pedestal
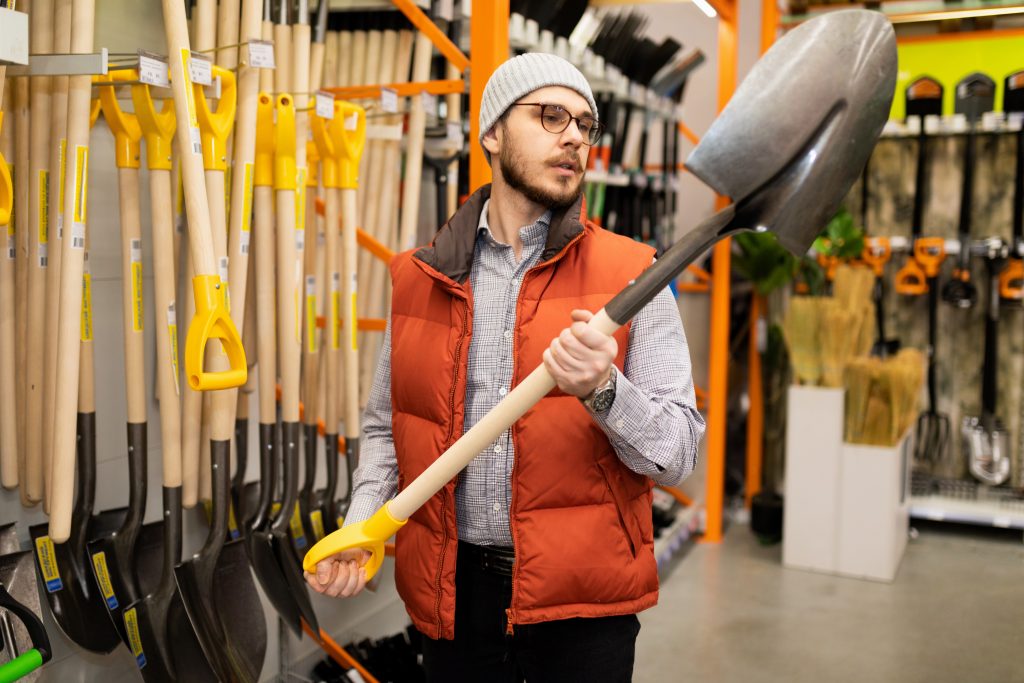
846	505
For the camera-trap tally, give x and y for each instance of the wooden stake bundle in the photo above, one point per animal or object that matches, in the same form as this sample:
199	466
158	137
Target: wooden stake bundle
41	23
801	327
8	360
72	263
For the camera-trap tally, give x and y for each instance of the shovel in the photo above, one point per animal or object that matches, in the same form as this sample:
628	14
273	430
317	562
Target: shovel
26	645
803	139
974	96
986	441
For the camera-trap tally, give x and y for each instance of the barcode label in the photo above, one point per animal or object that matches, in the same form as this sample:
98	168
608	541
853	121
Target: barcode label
325	105
200	69
222	266
196	140
136	250
43	253
389	100
153	70
429	103
310	285
11	248
300	240
261	54
78	235
245	242
335	282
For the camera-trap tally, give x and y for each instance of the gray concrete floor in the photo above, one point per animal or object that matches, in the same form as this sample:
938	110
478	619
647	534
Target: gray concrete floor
731	613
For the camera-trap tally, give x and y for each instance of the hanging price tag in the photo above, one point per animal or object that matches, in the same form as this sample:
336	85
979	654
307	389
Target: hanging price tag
389	100
325	105
455	133
200	69
352	122
153	70
429	103
261	54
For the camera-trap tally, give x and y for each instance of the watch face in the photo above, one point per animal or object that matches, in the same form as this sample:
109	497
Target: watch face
603	400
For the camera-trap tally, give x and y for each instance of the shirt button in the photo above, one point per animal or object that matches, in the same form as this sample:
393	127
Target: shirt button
508	334
619	424
497	507
503	391
497	448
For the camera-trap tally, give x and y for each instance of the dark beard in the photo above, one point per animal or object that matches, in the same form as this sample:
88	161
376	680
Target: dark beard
512	172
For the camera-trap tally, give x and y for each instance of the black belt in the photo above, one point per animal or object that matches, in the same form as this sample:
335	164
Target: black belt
493	559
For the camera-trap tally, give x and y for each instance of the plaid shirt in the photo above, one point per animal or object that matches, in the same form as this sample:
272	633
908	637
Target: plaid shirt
653	424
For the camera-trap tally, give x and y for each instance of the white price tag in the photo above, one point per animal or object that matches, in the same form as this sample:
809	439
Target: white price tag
455	133
300	239
200	69
352	121
389	100
136	251
354	676
77	235
172	318
335	282
261	54
43	251
11	248
429	103
325	105
245	241
153	70
222	267
310	285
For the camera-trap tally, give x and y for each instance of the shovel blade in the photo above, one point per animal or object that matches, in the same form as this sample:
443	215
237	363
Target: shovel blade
18	577
815	102
145	622
260	547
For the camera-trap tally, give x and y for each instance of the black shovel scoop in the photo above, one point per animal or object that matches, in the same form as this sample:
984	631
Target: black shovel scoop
975	95
787	148
77	605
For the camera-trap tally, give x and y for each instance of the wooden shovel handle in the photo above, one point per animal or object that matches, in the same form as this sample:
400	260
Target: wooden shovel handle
132	311
8	356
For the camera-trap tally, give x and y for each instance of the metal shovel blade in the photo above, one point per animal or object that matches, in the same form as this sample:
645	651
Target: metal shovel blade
76	603
17	575
814	103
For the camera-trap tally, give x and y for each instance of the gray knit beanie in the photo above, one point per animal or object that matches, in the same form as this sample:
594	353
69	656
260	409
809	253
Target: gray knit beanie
522	75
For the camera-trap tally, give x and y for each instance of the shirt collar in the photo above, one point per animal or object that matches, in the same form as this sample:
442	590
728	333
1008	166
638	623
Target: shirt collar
532	234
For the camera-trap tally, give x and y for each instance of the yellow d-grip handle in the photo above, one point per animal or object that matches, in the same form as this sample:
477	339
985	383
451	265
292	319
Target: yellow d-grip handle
157	127
369	535
284	144
94	107
123	125
349	138
264	160
215	126
212	320
312	164
6	190
326	150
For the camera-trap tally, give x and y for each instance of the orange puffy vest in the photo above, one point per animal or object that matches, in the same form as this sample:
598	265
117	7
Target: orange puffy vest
580	519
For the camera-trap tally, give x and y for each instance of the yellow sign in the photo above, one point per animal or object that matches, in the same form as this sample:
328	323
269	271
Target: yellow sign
131	626
44	208
47	557
137	305
296	525
60	203
99	566
86	306
316	519
172	333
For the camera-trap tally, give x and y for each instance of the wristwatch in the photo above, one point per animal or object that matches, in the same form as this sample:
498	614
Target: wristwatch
601	398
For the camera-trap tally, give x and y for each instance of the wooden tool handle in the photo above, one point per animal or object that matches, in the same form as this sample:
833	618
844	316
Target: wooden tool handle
21	229
133	313
204	25
414	150
334	333
289	320
282	58
191	418
227	33
165	322
265	247
349	279
72	262
8	355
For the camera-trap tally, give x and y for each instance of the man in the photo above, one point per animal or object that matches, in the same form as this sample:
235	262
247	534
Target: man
535	561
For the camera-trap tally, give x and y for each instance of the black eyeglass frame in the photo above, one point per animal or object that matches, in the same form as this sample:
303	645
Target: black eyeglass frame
590	139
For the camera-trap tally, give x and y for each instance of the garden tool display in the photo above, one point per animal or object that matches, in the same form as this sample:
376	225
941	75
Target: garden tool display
216	588
1011	281
55	190
25	644
974	96
145	620
923	99
931	440
269	542
803	143
8	339
113	557
877	252
985	440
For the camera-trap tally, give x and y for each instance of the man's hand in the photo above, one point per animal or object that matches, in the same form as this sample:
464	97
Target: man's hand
580	359
341	575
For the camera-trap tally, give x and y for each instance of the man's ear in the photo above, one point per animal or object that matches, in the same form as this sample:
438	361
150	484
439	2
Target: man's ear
491	142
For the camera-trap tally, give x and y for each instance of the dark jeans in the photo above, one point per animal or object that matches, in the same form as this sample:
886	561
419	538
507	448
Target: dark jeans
599	649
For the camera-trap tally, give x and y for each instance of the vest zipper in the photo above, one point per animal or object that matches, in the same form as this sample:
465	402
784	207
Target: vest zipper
508	629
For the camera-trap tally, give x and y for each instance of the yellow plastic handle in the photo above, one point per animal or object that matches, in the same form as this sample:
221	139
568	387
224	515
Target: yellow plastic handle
312	164
284	149
215	126
326	150
369	535
349	139
212	321
6	189
94	107
157	127
123	125
264	175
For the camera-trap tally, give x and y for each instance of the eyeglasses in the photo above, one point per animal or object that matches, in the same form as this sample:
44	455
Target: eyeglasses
555	119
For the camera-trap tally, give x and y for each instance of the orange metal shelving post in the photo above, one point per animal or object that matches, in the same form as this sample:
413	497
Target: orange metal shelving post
488	40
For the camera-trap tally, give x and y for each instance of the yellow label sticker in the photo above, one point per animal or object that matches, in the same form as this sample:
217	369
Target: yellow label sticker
247	199
354	325
131	627
86	306
316	519
172	334
300	200
81	183
102	574
232	523
296	526
195	140
341	521
137	304
44	205
10	223
311	341
335	320
47	558
60	185
180	204
274	509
